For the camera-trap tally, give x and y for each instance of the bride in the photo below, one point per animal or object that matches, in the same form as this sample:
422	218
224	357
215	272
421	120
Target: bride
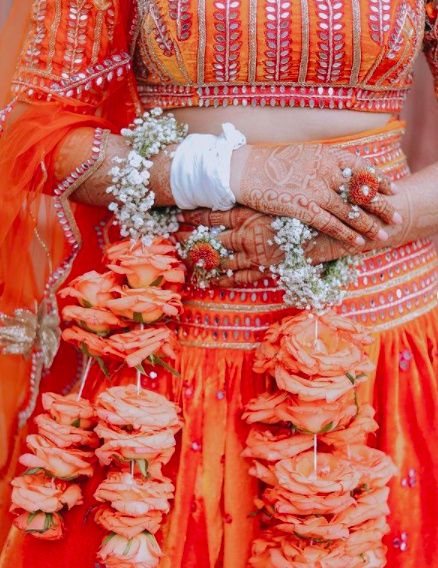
298	97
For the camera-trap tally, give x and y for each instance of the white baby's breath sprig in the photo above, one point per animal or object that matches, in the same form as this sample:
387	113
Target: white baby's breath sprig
308	286
206	255
147	136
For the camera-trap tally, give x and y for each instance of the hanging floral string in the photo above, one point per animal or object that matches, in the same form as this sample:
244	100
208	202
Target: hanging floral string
62	451
325	496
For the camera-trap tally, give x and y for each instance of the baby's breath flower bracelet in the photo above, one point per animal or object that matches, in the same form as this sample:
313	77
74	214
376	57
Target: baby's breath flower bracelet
147	136
307	286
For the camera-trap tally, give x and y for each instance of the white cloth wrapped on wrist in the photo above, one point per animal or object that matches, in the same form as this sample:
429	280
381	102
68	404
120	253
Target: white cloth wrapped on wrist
201	170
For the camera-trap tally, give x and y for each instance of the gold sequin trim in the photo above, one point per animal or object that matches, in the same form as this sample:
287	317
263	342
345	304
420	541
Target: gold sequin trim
304	41
356	42
254	309
388	285
404	319
202	41
252	41
219	345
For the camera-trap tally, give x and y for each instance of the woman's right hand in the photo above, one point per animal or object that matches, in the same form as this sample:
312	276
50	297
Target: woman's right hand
303	181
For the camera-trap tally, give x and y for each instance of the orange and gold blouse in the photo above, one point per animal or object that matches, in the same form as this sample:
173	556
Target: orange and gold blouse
353	54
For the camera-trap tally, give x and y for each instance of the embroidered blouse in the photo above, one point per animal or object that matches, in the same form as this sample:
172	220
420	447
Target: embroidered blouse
355	54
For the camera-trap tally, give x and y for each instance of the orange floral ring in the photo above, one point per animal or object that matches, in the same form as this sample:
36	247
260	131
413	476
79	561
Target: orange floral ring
363	185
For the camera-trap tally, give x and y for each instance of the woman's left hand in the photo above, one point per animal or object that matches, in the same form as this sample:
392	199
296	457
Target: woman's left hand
248	234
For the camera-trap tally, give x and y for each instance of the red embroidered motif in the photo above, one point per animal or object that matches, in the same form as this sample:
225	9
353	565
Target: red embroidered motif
162	35
331	40
378	20
227	40
180	12
278	39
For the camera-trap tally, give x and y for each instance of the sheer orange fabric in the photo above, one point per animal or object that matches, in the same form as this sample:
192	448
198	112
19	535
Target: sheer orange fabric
33	245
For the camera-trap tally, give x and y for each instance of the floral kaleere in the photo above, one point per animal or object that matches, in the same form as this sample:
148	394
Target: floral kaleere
325	496
61	452
148	135
118	319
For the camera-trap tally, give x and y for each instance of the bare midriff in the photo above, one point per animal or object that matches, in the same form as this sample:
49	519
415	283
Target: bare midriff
282	125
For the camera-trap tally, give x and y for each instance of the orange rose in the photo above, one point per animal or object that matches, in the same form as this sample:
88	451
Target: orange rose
157	448
375	466
368	506
263	472
326	345
145	305
285	503
334	474
293	553
356	431
264	408
314	527
135	496
66	409
57	461
314	388
136	346
46	526
96	320
91	289
367	536
146	411
127	526
142	551
79	337
267	446
317	416
260	553
64	435
146	265
40	493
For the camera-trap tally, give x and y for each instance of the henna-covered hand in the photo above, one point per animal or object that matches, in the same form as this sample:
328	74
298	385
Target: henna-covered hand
302	181
247	233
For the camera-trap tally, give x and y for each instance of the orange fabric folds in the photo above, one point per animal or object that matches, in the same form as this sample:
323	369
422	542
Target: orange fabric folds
58	86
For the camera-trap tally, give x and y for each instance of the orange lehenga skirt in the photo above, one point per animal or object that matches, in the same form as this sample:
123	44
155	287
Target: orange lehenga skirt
211	524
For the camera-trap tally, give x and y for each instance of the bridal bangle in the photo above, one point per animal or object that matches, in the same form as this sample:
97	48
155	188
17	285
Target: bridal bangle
201	170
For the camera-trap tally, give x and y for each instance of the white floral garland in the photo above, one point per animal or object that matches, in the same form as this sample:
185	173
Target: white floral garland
308	286
148	135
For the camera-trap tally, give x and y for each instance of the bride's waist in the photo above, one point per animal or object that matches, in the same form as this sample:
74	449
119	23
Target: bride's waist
282	125
394	285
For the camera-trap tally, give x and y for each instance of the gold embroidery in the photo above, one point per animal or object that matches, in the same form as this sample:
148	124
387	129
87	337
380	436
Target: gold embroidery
252	41
53	33
100	17
219	345
404	319
386	286
102	4
250	308
202	42
354	78
304	41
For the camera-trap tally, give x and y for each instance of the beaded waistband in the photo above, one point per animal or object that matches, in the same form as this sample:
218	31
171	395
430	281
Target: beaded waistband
394	285
361	99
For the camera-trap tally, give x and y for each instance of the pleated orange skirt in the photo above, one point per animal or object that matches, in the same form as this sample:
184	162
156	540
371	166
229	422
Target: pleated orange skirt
212	523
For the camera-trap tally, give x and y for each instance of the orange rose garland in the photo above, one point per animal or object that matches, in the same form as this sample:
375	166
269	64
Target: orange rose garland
138	428
325	491
144	266
60	453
